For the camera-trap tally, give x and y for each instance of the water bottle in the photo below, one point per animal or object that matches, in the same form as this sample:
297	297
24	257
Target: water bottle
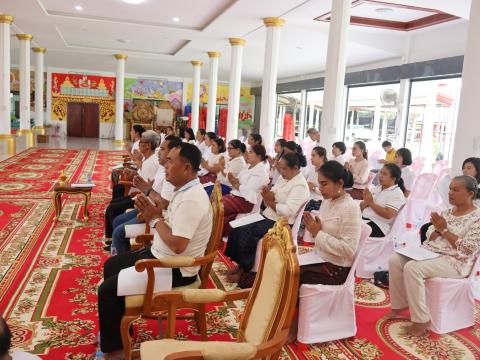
476	286
99	355
89	178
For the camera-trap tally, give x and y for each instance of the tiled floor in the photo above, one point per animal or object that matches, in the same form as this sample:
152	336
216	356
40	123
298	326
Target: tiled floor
68	143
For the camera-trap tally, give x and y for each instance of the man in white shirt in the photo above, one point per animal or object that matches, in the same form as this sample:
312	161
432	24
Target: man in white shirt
160	190
185	231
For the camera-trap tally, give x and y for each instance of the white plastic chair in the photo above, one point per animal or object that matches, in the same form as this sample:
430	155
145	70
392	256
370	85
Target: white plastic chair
418	199
327	312
439	166
377	251
451	302
295	228
417	166
373	160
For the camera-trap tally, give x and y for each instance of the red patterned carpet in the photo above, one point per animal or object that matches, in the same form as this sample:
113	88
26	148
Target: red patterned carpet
49	273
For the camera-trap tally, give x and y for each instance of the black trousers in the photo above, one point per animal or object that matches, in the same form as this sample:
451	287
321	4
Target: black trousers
376	231
115	208
112	307
118	191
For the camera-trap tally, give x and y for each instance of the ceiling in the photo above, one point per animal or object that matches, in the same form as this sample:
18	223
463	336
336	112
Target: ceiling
159	46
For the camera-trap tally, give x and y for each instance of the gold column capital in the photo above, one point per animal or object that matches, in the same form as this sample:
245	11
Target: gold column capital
24	37
214	54
273	21
196	62
121	56
6	19
39	50
236	41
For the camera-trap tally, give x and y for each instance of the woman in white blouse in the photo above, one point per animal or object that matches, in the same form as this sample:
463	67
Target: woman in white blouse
380	206
455	236
318	158
336	229
285	198
214	162
273	162
403	158
233	166
471	166
246	187
188	136
358	166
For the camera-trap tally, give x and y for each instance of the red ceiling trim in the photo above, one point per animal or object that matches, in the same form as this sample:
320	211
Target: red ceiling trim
437	17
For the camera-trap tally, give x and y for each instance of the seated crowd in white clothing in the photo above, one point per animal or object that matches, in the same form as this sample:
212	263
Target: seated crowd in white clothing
284	185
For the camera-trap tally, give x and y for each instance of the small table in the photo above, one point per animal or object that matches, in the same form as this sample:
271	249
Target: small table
59	189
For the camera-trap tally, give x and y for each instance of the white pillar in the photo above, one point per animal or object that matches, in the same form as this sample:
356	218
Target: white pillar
332	121
303	110
236	60
25	40
402	114
212	89
119	97
467	134
7	141
39	80
197	67
269	82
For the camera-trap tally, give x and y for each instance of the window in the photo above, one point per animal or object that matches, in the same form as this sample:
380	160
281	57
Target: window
372	115
313	112
287	121
432	118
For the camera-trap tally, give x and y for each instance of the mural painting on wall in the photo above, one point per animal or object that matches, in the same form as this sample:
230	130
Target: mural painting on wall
151	89
83	88
245	117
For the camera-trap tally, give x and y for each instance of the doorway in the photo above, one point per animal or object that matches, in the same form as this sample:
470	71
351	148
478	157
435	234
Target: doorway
83	120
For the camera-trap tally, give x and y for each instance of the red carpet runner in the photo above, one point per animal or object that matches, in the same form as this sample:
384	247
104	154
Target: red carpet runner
49	273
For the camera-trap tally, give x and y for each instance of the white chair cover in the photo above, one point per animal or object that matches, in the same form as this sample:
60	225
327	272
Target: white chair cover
418	199
295	228
451	302
327	312
373	160
377	251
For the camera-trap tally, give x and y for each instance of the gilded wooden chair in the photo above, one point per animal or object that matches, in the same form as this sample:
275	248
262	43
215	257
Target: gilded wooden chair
268	312
151	305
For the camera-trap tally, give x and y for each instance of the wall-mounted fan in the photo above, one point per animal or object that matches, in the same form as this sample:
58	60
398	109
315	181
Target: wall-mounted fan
389	97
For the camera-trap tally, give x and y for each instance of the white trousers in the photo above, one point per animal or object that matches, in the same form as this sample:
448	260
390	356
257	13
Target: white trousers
407	283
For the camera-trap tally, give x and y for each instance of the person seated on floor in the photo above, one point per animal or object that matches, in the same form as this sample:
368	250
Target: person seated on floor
188	136
455	236
170	131
338	151
292	147
273	161
403	158
215	162
209	138
161	192
132	149
359	168
254	139
6	343
246	187
234	165
286	198
185	231
471	167
390	153
336	230
200	143
381	205
147	171
319	157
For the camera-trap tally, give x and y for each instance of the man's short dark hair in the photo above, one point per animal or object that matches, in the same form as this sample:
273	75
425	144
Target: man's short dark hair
340	145
191	154
386	143
173	141
5	338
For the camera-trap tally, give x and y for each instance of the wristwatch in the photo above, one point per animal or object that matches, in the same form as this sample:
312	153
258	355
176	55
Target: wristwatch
154	222
444	231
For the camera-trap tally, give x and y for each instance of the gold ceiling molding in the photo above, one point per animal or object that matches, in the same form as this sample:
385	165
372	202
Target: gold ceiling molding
236	41
273	21
39	50
121	56
24	37
214	54
6	19
197	63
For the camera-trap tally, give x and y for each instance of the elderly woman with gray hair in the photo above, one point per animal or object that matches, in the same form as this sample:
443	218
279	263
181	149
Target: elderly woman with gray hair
455	236
147	165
